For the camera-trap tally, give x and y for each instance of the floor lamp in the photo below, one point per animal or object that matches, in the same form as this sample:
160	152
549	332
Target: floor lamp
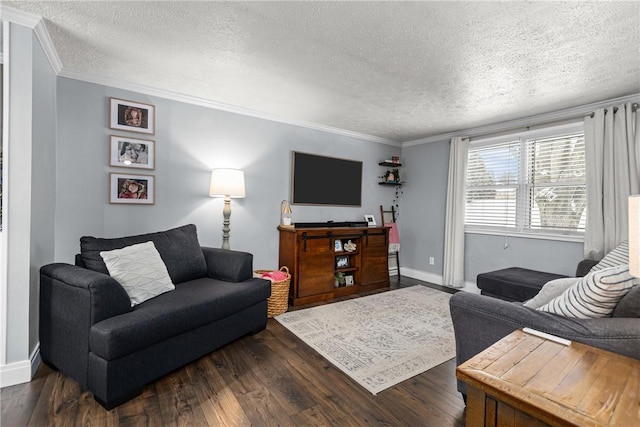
227	183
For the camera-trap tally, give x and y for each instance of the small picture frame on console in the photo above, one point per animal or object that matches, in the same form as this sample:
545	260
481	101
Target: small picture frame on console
338	245
342	262
371	221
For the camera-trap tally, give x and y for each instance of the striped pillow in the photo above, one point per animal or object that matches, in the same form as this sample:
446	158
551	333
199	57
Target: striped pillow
618	256
595	295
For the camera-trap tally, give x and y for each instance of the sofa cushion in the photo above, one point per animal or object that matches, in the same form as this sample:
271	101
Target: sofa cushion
629	305
593	296
140	271
550	290
178	247
191	305
618	256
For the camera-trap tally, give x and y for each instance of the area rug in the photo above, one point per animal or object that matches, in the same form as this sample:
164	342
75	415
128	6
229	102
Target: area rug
382	339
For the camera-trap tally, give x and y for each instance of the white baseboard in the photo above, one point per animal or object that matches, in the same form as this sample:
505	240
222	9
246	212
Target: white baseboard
436	279
20	372
425	276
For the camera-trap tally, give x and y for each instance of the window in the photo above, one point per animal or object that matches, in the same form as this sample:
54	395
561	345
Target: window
528	183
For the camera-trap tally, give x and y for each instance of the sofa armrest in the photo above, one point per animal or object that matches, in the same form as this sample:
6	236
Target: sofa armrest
480	321
227	265
102	294
72	299
584	266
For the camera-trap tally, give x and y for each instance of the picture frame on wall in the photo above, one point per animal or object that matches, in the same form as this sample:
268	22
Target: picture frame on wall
125	152
131	189
132	116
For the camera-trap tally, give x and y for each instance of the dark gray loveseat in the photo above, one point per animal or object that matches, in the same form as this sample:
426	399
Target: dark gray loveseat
480	321
89	331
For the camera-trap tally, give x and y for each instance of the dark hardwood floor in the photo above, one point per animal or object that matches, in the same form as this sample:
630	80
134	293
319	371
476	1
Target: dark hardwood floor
271	378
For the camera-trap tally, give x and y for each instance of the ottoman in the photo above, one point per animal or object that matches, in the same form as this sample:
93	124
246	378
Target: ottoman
513	284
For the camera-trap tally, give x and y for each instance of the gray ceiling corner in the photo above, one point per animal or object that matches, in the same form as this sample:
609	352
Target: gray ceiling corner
397	71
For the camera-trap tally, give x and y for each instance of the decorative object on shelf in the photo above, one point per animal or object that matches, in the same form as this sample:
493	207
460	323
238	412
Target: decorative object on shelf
227	183
350	246
392	176
348	280
286	214
371	221
634	235
132	152
131	189
338	280
338	245
342	262
132	116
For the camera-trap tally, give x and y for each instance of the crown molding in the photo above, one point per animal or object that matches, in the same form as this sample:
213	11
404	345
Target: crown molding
47	45
162	93
36	23
8	13
555	116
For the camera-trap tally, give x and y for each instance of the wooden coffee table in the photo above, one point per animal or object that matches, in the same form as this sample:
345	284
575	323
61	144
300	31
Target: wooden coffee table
526	380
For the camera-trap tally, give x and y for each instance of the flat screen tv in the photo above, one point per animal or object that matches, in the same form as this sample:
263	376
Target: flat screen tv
321	180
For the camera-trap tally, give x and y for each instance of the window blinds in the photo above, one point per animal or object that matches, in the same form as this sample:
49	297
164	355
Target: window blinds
527	185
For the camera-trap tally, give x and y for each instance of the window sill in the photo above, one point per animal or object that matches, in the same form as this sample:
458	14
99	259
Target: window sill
522	235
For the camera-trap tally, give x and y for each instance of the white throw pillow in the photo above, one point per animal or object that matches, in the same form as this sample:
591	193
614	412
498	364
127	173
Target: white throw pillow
140	270
550	290
595	295
618	256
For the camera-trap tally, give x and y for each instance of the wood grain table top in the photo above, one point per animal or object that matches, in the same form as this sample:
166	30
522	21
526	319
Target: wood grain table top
574	385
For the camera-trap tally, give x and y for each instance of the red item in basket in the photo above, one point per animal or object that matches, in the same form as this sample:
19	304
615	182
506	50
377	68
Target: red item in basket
275	276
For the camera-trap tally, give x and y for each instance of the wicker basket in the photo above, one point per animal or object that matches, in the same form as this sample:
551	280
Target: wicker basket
278	302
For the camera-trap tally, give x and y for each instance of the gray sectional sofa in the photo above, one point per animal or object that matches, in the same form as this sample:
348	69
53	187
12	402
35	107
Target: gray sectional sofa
480	321
90	331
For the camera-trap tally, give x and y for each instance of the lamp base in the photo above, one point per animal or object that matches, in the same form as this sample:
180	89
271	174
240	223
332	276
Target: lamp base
226	214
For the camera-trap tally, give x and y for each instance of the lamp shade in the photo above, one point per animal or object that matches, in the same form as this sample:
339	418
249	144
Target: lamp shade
634	235
227	182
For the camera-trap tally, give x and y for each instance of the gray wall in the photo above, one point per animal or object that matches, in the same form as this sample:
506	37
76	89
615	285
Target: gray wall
18	187
43	184
190	141
422	223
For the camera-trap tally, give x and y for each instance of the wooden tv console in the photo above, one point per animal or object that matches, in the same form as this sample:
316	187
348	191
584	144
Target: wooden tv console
312	259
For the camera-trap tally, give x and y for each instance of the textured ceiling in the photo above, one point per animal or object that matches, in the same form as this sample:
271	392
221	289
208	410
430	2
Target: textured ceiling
396	70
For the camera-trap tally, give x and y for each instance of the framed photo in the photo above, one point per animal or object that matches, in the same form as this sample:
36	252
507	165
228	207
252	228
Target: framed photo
348	280
132	116
125	152
371	221
338	245
131	189
342	262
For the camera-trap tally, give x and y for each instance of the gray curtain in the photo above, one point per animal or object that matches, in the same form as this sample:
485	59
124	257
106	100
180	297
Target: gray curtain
453	271
612	150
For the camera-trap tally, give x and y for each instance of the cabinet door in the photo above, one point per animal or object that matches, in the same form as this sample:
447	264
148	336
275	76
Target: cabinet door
375	258
315	267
